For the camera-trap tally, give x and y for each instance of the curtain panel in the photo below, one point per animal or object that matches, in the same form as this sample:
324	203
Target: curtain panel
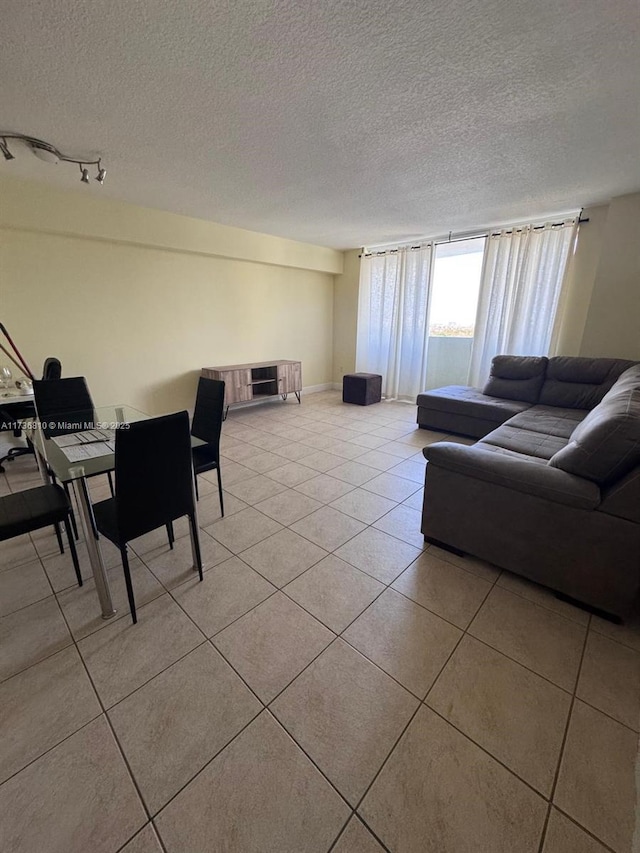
393	319
520	290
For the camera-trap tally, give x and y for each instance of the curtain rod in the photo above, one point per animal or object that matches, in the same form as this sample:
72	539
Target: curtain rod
473	236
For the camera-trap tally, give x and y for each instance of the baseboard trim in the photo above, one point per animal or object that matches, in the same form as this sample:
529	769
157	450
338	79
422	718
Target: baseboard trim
313	389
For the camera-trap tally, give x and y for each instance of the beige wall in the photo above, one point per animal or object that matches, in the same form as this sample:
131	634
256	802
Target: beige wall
345	316
581	276
138	301
612	326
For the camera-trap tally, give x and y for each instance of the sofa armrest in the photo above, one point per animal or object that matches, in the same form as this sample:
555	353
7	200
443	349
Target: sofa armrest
532	478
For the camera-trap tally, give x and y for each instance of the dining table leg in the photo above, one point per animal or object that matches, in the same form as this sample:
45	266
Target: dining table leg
80	491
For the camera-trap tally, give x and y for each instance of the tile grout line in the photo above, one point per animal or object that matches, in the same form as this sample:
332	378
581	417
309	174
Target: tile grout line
564	741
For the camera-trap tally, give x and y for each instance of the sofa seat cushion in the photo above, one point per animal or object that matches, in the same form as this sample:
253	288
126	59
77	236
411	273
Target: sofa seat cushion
549	420
516	377
580	383
606	445
503	451
462	400
524	441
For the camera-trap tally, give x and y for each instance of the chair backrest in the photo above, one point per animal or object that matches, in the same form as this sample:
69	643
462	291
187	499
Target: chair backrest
154	474
52	369
207	416
63	405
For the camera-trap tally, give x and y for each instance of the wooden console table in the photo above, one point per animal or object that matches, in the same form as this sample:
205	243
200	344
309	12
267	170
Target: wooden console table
246	382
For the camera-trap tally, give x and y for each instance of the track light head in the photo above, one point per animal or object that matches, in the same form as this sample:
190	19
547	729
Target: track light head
102	173
85	174
5	150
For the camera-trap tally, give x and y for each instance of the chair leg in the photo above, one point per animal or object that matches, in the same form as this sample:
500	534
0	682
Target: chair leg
56	527
195	480
220	491
170	534
127	580
195	542
72	548
110	479
74	526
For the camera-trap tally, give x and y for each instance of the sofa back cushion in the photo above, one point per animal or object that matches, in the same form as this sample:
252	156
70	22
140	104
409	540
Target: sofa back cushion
606	445
580	383
516	377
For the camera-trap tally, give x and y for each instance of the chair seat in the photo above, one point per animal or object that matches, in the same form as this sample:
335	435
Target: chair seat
204	458
32	509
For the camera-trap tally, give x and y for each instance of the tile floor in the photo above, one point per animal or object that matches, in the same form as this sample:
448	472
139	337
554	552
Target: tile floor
331	685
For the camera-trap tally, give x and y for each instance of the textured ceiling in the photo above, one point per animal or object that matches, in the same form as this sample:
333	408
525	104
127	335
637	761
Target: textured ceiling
337	123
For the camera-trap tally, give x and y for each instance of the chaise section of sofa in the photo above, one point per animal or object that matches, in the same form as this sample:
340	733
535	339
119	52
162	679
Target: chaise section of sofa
552	494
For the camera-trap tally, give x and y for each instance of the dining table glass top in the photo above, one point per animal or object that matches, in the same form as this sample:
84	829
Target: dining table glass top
69	459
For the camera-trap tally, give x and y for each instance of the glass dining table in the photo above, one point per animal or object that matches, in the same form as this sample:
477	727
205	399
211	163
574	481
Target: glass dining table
74	465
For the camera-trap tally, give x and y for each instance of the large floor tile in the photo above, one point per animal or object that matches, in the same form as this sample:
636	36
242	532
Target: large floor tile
227	592
328	528
208	507
60	571
256	489
355	473
563	836
324	488
283	557
175	566
346	714
30	635
378	459
260	795
403	522
489	697
532	635
177	722
610	679
543	596
392	487
288	506
146	841
411	469
334	592
470	564
597	780
363	505
77	797
405	640
41	706
242	530
123	656
81	606
415	501
23	585
292	474
262	461
357	839
17	552
628	633
321	461
443	588
270	645
378	554
440	792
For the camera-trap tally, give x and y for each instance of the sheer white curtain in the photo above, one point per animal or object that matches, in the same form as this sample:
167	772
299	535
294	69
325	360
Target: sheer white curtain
393	319
522	276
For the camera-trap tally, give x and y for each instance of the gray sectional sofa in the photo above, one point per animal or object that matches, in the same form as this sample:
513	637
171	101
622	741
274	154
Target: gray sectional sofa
551	490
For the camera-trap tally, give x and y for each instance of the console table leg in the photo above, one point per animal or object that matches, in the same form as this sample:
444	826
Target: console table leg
297	393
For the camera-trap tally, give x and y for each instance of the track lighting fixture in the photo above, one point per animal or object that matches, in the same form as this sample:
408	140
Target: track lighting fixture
50	154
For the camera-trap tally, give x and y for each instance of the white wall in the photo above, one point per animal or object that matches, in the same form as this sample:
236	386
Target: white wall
139	300
612	325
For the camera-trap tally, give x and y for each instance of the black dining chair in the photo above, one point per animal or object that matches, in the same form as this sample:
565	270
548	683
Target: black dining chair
12	417
63	405
207	426
149	495
32	509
